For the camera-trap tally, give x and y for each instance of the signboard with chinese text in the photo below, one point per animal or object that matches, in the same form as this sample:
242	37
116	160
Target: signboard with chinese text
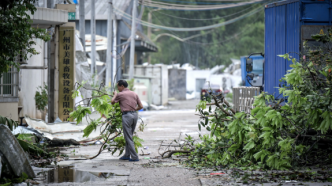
66	71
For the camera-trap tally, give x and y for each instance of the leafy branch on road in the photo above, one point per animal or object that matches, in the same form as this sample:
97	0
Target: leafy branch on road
166	150
111	127
291	132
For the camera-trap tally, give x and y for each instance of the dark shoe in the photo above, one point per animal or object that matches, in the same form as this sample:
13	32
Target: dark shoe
133	160
124	158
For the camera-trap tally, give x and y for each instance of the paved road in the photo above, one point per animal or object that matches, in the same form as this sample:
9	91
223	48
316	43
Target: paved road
106	169
164	125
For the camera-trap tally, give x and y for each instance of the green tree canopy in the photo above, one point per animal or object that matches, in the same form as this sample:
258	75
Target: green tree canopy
16	32
212	47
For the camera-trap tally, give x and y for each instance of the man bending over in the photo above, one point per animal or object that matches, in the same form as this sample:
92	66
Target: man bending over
129	104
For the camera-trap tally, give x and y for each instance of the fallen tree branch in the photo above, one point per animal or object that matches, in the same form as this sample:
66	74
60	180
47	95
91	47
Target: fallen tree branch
226	102
213	115
171	152
220	107
101	148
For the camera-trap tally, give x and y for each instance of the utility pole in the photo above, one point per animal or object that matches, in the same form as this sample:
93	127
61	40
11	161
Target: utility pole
149	33
82	22
50	71
132	43
109	64
93	37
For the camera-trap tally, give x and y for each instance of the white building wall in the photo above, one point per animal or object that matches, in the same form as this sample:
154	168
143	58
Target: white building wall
159	81
192	75
9	110
164	86
231	80
30	80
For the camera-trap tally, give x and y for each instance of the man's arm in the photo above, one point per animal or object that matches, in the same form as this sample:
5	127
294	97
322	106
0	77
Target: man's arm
139	104
114	97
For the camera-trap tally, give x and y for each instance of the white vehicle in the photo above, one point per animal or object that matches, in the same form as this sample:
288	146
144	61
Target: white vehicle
190	95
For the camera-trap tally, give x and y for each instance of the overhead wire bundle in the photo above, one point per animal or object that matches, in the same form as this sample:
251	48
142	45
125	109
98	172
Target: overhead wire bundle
198	6
169	6
189	38
189	29
204	19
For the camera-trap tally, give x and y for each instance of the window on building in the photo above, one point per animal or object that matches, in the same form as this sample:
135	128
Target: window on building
9	83
20	59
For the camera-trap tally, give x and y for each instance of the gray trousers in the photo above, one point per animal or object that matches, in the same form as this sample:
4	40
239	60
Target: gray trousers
129	121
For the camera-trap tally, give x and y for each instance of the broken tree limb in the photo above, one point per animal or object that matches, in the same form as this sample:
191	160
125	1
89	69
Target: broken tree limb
171	152
226	102
220	107
101	148
223	101
278	103
210	104
205	116
160	147
213	115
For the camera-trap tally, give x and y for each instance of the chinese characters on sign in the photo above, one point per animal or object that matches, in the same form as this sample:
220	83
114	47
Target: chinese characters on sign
66	71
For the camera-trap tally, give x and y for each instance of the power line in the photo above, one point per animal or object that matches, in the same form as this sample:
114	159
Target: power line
202	3
169	6
180	39
194	28
188	41
218	18
223	41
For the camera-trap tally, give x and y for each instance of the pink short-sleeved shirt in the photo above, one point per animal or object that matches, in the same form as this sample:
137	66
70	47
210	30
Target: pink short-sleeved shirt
128	100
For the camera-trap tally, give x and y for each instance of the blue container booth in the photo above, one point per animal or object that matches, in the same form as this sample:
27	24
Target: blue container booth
287	25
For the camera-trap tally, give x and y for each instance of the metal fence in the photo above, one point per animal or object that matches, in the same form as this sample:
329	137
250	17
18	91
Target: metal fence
243	98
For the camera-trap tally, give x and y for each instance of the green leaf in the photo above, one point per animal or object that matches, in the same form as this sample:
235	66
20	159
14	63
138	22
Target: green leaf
261	155
24	176
234	147
2	120
10	124
91	127
249	145
29	147
208	128
79	113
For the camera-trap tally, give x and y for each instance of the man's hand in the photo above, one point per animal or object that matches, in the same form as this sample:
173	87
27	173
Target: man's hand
115	93
139	106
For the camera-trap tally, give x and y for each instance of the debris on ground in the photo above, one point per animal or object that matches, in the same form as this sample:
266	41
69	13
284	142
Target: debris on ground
26	130
64	130
216	173
155	107
177	147
14	154
61	142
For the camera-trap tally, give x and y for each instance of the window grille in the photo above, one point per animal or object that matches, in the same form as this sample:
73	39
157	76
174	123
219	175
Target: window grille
9	83
20	59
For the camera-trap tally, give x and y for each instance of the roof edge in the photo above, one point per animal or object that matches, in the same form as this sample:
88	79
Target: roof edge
280	3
